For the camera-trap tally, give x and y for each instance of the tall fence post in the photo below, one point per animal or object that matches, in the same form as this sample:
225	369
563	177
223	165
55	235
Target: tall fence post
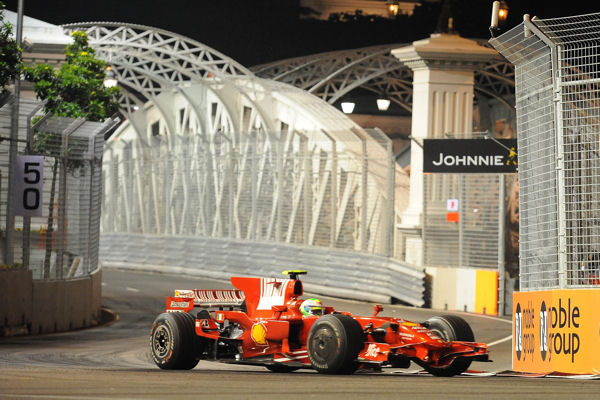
12	155
391	200
364	209
501	247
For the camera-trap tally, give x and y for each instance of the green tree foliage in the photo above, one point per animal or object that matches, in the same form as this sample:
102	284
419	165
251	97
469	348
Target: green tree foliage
75	90
10	53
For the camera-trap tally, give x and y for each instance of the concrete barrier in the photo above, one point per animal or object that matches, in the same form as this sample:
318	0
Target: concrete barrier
15	301
464	289
31	307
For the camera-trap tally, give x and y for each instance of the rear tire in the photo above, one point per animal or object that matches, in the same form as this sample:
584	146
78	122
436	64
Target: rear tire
173	341
451	328
334	342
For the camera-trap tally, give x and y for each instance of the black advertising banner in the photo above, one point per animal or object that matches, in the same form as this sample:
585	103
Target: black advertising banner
470	156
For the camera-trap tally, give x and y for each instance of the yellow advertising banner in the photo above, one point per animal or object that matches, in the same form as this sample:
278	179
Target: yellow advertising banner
556	331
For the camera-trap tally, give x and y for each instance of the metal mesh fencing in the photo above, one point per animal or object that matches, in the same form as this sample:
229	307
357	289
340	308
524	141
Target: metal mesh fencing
473	240
63	241
303	188
11	242
558	107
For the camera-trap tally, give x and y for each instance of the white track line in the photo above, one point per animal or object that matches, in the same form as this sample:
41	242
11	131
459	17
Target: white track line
506	339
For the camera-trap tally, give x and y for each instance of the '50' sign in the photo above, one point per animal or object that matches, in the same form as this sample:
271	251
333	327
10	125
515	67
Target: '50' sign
29	186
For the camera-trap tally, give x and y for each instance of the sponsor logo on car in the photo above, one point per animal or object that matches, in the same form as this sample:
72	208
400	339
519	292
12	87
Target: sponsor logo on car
179	304
372	350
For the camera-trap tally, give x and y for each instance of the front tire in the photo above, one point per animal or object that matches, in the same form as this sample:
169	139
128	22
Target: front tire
334	342
173	341
451	328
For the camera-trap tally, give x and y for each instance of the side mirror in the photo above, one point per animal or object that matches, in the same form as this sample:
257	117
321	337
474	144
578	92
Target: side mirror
378	308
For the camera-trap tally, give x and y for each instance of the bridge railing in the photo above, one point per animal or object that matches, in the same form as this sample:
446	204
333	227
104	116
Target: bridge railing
318	189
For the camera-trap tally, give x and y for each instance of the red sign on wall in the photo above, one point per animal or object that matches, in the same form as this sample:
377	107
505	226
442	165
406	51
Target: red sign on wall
452	216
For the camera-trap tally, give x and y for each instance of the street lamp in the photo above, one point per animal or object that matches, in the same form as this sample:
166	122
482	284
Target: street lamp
499	15
348	107
502	12
383	104
109	77
392	7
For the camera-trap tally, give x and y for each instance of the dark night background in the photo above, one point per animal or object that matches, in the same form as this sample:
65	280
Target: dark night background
258	31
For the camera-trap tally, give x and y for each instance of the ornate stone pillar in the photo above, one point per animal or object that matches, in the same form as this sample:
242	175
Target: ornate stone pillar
443	67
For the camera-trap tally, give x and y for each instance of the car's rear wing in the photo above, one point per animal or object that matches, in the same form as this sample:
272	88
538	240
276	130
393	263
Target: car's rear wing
213	297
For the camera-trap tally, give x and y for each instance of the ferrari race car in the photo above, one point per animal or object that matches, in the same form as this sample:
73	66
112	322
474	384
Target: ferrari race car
265	322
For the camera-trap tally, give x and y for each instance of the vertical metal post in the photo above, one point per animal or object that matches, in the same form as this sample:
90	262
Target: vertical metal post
280	175
88	259
12	156
230	177
424	221
114	199
501	236
461	219
560	172
62	206
307	190
253	187
391	196
363	214
334	193
168	181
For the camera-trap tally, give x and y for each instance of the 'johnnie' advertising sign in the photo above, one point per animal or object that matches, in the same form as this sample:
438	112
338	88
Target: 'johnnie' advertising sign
470	155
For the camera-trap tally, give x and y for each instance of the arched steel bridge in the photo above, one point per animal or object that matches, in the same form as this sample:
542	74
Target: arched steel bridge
211	151
332	75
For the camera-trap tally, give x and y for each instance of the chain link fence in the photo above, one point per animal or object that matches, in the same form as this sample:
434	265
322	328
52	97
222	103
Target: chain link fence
61	241
477	238
20	115
558	110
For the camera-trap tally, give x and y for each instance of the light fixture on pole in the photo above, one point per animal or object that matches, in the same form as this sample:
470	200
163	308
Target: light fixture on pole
110	79
499	15
383	103
347	107
503	12
392	7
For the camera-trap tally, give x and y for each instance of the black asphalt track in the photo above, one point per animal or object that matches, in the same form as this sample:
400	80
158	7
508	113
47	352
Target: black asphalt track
112	361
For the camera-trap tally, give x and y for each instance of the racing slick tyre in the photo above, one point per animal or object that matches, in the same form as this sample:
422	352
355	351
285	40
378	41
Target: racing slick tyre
451	328
334	342
173	341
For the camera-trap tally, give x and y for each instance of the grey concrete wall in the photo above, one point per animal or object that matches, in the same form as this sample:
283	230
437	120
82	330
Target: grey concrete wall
31	307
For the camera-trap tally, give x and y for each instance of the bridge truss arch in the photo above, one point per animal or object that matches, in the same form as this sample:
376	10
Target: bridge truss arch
211	150
333	75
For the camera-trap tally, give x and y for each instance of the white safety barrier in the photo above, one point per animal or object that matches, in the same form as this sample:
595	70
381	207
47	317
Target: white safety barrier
336	273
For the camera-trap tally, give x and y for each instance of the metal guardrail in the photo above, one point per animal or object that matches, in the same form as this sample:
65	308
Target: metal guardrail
332	272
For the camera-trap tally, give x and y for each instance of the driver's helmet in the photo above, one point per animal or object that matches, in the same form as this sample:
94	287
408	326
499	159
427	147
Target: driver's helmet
311	307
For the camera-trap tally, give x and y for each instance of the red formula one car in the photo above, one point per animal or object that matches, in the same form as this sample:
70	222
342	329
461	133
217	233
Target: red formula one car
265	322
